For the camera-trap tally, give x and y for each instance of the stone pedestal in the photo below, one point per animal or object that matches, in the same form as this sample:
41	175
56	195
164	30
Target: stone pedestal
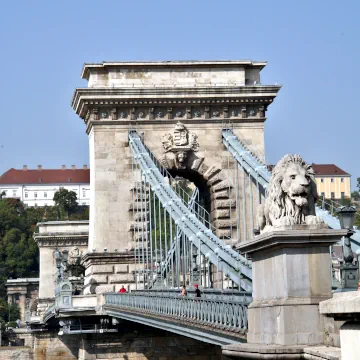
291	275
345	306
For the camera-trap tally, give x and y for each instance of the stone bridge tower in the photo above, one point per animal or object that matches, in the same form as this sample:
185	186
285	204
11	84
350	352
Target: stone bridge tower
180	107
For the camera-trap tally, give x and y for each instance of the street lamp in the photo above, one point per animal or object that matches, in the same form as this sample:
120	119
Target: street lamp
349	272
346	216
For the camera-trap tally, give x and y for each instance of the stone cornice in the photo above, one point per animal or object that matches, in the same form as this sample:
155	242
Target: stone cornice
134	123
87	67
100	258
211	95
61	240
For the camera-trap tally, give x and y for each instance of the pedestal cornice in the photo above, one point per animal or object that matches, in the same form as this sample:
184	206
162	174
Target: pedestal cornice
101	258
295	236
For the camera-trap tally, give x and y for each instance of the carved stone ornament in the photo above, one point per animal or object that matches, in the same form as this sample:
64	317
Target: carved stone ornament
291	196
180	143
74	256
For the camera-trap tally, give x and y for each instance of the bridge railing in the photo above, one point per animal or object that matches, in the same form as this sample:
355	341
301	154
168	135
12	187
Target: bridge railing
229	315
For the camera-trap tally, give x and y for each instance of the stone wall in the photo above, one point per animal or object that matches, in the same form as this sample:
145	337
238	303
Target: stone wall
132	342
16	353
112	171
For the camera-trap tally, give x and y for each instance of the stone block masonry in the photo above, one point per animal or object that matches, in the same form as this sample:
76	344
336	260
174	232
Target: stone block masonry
198	96
16	353
133	341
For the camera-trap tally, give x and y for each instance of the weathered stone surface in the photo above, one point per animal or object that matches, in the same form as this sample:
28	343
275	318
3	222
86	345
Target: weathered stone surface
215	179
221	186
140	235
135	226
141	216
221	233
104	288
202	169
220	214
196	164
221	204
224	194
342	303
99	279
211	171
121	268
119	278
138	206
99	269
221	224
19	353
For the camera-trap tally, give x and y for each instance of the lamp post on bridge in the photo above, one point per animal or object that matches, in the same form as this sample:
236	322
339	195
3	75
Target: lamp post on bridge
63	289
348	271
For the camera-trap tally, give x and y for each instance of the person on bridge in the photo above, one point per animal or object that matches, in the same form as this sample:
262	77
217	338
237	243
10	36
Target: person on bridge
122	290
197	291
183	291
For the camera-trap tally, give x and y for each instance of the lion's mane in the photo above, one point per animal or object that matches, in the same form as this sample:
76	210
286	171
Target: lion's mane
278	204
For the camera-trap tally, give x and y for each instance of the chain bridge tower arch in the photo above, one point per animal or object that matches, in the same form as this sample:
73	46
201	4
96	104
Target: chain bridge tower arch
179	108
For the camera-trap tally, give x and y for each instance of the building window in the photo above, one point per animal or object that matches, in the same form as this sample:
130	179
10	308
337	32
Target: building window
84	193
342	179
333	195
322	180
35	195
14	192
45	194
332	180
26	195
342	195
323	194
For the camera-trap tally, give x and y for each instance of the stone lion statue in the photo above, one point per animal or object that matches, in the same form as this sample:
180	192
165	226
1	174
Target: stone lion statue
291	196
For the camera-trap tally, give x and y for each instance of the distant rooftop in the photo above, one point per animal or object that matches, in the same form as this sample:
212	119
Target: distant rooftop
328	170
46	176
174	63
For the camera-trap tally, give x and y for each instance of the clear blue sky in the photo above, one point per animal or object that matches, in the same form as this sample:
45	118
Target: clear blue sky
312	48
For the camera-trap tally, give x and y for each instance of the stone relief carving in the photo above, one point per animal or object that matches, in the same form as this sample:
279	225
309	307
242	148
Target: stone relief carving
180	143
291	196
75	256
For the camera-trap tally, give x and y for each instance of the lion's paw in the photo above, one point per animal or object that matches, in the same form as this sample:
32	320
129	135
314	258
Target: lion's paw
285	221
313	220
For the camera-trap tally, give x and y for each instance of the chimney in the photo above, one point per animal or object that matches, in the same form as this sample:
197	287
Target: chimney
85	167
25	167
73	167
63	167
39	167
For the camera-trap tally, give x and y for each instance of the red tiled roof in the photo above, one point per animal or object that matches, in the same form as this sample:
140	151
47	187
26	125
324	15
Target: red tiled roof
45	176
322	170
328	169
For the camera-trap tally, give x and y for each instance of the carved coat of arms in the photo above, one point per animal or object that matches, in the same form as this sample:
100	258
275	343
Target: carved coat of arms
180	143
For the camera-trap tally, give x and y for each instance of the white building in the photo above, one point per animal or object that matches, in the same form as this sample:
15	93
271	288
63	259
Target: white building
37	187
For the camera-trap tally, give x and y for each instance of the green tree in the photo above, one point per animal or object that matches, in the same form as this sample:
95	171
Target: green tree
355	195
66	201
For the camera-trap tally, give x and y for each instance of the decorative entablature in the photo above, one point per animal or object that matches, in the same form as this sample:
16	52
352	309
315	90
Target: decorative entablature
246	104
61	240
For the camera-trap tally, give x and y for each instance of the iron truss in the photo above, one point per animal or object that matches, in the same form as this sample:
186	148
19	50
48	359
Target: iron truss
199	234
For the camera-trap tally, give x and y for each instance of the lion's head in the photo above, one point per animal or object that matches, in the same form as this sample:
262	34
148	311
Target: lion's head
291	192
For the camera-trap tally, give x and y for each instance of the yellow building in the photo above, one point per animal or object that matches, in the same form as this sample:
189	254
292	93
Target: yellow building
331	181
